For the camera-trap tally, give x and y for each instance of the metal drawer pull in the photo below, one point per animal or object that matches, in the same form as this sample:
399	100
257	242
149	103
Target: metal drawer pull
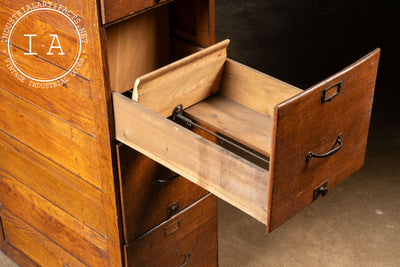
168	179
187	256
333	151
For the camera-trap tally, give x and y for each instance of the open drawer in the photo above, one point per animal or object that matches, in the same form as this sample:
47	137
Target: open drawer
308	141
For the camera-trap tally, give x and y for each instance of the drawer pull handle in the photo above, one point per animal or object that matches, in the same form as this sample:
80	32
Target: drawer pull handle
187	256
329	93
168	179
333	151
173	228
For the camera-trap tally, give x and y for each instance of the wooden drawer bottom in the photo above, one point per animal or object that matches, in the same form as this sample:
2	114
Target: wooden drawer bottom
190	236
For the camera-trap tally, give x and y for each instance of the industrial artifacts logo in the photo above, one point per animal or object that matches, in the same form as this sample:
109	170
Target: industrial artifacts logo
44	43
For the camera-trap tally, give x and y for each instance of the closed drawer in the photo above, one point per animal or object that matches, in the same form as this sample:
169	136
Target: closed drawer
189	237
113	10
150	192
308	141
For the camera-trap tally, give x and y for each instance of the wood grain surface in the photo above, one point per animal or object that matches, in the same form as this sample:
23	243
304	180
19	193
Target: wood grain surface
136	47
40	249
193	231
56	140
236	121
146	202
186	81
303	124
79	198
254	89
194	21
82	241
50	136
195	158
119	9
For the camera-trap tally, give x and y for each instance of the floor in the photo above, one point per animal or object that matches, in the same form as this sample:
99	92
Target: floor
358	222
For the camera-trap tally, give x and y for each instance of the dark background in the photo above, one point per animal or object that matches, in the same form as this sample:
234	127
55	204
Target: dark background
303	42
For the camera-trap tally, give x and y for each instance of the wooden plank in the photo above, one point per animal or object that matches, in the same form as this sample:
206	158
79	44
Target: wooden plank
115	10
50	136
70	100
105	140
136	47
193	230
194	21
186	81
18	257
219	171
236	121
303	124
50	22
50	180
33	244
254	89
67	103
144	200
75	237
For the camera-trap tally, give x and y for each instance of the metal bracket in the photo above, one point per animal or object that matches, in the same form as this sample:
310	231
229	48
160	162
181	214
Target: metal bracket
320	190
329	93
177	114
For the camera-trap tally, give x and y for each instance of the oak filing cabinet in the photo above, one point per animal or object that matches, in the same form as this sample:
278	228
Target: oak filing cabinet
119	117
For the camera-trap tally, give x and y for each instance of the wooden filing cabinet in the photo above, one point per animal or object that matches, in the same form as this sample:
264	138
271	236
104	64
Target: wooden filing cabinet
97	169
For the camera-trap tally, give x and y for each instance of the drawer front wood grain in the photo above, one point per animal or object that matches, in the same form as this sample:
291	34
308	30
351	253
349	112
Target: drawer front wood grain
150	192
116	9
310	122
192	232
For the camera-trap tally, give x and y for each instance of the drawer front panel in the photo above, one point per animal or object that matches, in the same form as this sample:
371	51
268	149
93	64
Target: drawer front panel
190	236
150	192
116	9
311	123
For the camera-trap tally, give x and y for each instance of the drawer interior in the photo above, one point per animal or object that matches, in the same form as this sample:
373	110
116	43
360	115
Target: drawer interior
254	113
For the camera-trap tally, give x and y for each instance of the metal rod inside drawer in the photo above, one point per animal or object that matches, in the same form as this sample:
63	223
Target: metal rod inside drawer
178	114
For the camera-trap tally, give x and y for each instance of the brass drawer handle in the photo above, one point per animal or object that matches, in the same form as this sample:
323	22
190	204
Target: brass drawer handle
333	151
187	256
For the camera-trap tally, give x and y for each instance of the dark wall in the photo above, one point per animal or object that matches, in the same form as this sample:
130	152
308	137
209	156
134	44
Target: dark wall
305	41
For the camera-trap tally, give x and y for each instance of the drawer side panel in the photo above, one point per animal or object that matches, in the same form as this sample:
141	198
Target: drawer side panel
195	158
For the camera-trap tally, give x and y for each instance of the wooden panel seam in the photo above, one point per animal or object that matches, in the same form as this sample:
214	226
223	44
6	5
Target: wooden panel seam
53	131
13	220
87	247
21	161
